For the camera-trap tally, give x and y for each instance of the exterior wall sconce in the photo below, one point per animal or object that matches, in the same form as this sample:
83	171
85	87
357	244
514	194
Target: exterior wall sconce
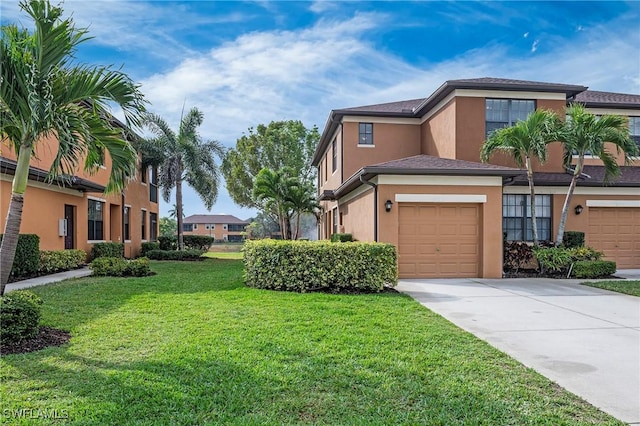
387	206
579	209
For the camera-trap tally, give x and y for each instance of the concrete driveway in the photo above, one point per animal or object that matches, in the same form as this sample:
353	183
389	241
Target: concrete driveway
585	339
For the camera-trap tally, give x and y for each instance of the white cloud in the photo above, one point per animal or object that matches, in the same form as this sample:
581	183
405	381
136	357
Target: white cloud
321	6
525	35
534	46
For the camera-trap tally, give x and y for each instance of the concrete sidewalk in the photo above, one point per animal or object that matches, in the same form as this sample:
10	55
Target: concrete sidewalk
48	279
585	339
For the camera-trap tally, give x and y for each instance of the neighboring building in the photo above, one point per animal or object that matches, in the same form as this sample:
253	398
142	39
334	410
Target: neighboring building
222	227
75	213
409	173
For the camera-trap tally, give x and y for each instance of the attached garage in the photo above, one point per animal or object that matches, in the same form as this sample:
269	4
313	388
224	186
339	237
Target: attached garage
616	232
439	240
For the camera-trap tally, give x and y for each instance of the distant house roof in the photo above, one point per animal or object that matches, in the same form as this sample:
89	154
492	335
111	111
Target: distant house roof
214	218
39	175
422	165
595	99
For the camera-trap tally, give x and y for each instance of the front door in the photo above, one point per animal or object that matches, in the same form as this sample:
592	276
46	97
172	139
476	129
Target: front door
69	239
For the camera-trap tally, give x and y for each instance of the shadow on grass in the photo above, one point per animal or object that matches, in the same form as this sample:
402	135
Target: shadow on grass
73	302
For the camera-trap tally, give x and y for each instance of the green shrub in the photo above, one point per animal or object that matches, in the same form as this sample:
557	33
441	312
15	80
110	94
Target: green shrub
137	268
573	239
108	266
52	261
585	253
27	259
341	238
594	269
168	242
304	265
147	247
120	267
197	242
553	259
19	315
175	255
107	250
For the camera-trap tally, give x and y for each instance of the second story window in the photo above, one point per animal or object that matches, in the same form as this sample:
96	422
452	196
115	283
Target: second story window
187	227
501	113
143	174
365	134
334	149
236	227
634	129
153	185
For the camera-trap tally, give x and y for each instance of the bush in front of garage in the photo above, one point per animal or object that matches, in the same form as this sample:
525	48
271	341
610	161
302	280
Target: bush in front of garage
594	269
303	266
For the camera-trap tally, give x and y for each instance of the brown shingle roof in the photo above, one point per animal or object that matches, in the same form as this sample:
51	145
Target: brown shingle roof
592	176
214	218
400	107
492	81
594	98
426	163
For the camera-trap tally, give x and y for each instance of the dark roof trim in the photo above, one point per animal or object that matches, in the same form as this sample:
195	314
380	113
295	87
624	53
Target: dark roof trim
38	175
367	173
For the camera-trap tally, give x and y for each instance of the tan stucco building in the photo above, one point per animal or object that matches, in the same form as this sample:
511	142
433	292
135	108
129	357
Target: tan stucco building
222	227
75	213
409	173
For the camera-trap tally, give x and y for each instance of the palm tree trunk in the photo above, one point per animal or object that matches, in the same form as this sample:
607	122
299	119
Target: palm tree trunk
179	208
567	200
297	234
534	224
14	217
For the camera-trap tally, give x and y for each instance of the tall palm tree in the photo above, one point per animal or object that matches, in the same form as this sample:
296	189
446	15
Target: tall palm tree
585	134
525	140
42	93
186	157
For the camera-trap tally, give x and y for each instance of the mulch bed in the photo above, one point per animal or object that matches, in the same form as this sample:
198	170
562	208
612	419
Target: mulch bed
46	337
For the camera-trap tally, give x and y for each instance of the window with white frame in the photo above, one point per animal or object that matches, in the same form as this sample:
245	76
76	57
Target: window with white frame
126	221
516	217
334	149
501	113
209	226
153	226
143	225
96	220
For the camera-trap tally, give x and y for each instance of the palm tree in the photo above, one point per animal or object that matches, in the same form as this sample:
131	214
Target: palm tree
585	134
185	158
270	189
301	199
43	94
525	140
173	213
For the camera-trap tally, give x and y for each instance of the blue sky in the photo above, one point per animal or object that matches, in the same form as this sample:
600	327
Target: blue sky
246	63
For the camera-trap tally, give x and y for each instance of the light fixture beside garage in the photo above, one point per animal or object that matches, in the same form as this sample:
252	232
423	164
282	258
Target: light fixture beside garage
579	209
387	205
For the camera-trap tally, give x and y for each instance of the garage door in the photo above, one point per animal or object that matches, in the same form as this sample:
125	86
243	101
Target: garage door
439	240
616	232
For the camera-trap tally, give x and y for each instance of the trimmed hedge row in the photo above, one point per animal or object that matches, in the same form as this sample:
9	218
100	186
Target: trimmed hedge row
19	315
52	261
573	239
594	269
147	247
341	238
120	267
191	242
27	259
107	250
319	265
175	254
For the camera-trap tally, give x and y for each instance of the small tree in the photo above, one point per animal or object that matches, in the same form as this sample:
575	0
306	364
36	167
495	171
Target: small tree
183	157
583	133
525	140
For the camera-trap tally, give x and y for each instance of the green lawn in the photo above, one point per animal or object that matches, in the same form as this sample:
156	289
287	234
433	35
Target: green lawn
621	286
193	346
224	255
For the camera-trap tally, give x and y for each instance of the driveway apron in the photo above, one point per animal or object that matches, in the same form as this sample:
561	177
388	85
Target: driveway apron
585	339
